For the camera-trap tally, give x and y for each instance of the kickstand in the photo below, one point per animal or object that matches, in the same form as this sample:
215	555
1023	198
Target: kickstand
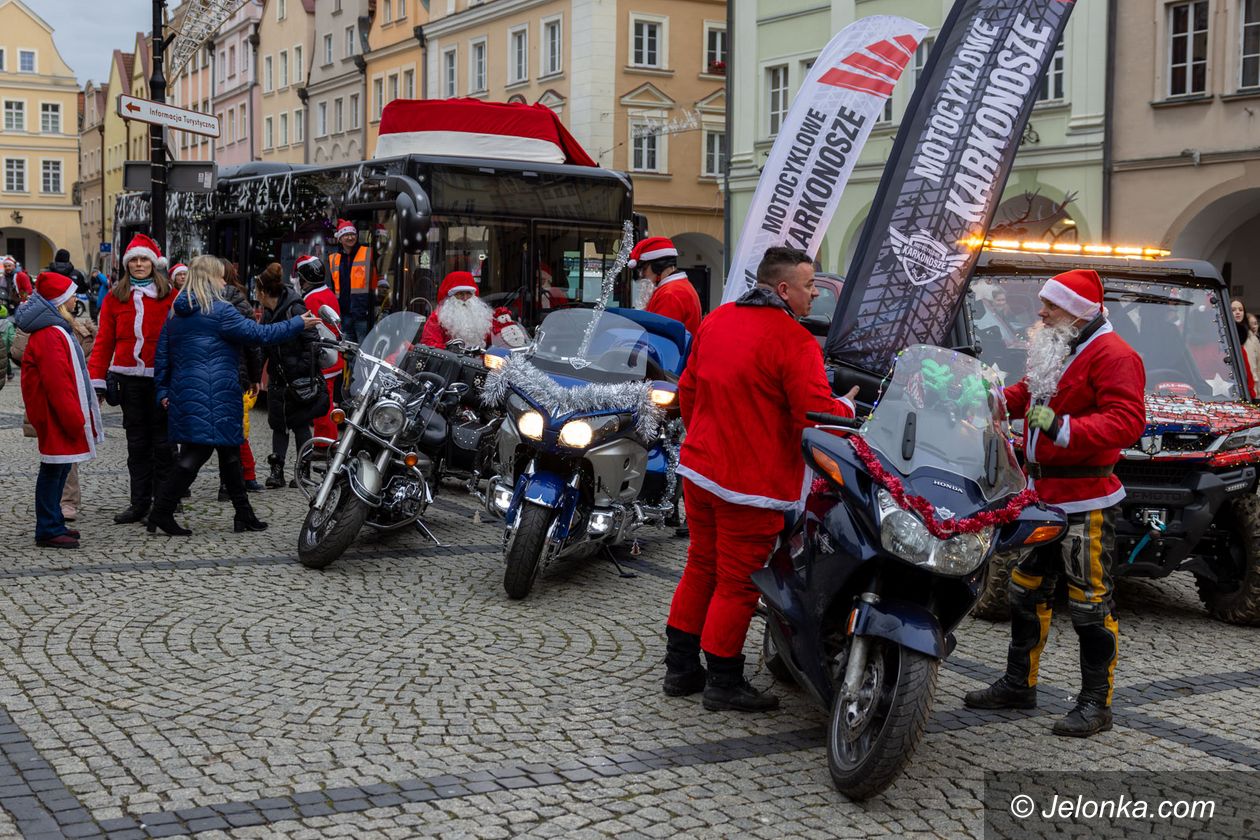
612	558
424	529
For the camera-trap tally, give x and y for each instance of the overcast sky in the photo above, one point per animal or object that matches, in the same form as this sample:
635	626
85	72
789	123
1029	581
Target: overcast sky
88	31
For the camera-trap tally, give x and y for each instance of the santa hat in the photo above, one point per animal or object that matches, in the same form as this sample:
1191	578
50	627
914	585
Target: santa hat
344	227
9	260
507	330
310	271
545	271
178	268
652	248
457	281
143	246
54	288
1079	292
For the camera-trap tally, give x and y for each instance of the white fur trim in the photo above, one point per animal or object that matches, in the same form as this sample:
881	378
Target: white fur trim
139	251
457	289
309	261
682	275
130	370
139	324
648	256
93	427
98	384
1100	503
149	291
732	496
1064	298
469	144
179	269
1064	437
345	229
63	297
314	291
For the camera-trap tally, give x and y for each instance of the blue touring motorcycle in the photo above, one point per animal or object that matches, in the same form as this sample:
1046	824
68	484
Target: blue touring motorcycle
589	445
862	596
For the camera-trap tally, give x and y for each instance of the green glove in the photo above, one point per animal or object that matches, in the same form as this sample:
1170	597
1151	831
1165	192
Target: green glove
1043	417
974	393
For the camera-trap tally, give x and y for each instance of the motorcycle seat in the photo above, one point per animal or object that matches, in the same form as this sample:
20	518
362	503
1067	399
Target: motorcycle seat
434	433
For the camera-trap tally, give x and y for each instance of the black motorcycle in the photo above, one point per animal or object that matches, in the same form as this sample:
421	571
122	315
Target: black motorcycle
890	554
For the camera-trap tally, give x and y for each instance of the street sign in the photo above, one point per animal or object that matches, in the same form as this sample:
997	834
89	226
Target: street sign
181	176
107	247
159	113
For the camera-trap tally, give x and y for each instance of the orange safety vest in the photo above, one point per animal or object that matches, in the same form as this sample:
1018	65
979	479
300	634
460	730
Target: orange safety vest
358	270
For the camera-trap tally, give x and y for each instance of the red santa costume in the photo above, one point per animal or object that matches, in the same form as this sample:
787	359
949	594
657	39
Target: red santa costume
674	296
550	297
470	321
21	280
753	373
178	275
316	294
127	339
56	388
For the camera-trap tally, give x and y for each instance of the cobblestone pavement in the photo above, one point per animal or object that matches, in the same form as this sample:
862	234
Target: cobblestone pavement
154	686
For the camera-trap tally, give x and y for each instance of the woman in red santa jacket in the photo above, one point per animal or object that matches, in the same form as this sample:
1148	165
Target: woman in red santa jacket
59	402
130	324
673	296
316	294
753	373
1083	401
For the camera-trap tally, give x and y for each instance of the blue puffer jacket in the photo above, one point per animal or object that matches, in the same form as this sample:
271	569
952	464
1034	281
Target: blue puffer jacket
198	357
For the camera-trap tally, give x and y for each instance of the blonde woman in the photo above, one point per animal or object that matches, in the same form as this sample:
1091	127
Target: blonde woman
198	358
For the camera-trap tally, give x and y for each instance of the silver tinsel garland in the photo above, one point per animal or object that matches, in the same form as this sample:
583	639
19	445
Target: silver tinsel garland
559	401
608	284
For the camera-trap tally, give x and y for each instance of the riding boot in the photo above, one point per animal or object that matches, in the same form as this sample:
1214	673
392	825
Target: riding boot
726	689
684	673
1003	694
276	479
245	519
168	496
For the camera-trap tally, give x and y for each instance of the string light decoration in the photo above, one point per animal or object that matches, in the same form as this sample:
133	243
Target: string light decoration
201	19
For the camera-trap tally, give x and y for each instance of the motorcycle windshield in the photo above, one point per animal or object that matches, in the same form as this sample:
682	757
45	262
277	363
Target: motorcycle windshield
388	342
945	410
593	346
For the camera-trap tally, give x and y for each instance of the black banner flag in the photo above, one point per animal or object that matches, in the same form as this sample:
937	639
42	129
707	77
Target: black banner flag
944	178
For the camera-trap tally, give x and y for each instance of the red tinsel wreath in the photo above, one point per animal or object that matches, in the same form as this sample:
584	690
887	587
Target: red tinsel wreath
941	529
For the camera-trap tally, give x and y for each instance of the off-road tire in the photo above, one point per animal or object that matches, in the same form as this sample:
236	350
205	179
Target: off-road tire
907	719
773	659
525	552
1240	605
994	603
350	513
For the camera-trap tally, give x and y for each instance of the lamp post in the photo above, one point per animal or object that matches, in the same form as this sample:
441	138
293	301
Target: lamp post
157	146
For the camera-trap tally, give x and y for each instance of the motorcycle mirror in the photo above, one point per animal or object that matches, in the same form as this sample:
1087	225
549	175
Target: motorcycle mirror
330	317
458	388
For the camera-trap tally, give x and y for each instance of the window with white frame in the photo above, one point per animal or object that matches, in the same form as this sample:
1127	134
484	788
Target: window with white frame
339	115
321	119
299	125
243	124
15	174
714	48
378	97
284	129
354	110
328	53
1187	48
50	176
921	54
2	67
389	11
282	9
714	154
299	69
777	97
886	113
244	56
50	118
14	115
1249	63
645	147
518	54
393	87
231	61
647	47
284	69
409	84
402	9
269	139
26	61
350	46
477	66
1052	82
552	47
231	132
450	65
268	75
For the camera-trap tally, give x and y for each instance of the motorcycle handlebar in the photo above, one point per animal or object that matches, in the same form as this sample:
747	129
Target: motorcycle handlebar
833	419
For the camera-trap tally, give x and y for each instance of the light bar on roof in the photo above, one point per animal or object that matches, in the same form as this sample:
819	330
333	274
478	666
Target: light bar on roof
1094	249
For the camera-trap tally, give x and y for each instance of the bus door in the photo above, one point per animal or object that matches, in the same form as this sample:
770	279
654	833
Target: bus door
570	262
230	240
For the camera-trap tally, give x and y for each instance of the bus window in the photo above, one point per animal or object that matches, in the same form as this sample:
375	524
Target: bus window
571	265
495	253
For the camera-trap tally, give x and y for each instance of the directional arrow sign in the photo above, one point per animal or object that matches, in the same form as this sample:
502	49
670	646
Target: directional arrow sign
158	113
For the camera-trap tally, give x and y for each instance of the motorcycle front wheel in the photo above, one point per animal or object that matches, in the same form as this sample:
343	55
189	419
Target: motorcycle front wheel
872	736
525	550
326	534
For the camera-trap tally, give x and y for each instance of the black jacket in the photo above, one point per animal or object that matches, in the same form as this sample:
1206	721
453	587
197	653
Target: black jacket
293	359
251	357
66	269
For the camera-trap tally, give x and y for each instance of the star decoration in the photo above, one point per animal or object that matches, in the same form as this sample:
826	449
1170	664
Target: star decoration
1220	386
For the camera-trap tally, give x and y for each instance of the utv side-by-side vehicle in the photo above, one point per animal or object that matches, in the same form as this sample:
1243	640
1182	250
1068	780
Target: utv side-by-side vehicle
1191	499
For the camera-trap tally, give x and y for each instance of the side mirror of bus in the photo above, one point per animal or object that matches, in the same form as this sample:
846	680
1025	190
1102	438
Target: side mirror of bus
330	317
412	224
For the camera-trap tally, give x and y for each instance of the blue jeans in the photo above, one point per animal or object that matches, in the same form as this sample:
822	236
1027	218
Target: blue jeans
51	482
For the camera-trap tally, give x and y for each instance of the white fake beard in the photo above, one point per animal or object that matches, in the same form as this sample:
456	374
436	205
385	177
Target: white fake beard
1048	349
466	320
642	293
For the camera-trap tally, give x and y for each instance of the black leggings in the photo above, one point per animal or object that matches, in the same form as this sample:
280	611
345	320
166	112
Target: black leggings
149	454
192	457
280	442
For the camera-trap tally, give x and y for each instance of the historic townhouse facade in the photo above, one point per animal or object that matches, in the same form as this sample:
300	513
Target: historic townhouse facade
118	134
91	185
236	89
191	87
286	37
395	64
337	75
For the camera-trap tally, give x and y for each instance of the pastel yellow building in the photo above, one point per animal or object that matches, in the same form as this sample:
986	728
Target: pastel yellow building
39	142
118	134
286	38
395	62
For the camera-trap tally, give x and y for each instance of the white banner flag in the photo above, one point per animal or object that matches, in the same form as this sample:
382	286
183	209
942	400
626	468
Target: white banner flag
820	139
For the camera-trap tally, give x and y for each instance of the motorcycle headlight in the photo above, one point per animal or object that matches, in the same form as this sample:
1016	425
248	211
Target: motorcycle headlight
531	424
577	433
904	534
962	554
387	418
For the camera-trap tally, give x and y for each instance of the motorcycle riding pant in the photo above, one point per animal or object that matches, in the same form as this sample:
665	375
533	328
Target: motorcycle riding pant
716	597
1085	557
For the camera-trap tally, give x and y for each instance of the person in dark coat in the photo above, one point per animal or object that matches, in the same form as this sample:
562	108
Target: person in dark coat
61	265
250	374
287	362
198	359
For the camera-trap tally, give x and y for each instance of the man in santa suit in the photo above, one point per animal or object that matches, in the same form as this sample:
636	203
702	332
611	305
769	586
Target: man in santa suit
316	294
1082	401
460	315
753	373
672	294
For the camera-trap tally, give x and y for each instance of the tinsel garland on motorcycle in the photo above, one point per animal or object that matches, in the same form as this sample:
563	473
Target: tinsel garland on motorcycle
942	529
608	283
559	401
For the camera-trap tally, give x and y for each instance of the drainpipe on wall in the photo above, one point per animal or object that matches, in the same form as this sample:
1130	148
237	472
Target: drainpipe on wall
424	61
254	40
360	61
100	129
1109	99
729	140
305	95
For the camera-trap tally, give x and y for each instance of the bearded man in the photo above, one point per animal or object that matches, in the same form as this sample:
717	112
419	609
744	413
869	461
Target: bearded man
1082	402
661	288
461	315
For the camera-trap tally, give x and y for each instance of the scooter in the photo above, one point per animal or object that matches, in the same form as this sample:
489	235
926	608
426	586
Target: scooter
890	553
